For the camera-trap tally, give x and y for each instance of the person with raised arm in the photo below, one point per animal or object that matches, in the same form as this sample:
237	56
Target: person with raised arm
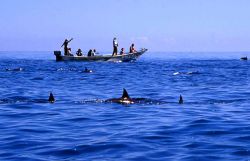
65	44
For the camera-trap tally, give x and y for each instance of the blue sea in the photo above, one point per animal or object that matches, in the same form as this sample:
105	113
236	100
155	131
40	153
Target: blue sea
213	124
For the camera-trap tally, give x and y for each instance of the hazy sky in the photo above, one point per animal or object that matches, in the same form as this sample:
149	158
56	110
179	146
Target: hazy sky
160	25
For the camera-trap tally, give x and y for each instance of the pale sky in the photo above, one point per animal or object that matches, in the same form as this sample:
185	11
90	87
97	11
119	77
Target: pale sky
159	25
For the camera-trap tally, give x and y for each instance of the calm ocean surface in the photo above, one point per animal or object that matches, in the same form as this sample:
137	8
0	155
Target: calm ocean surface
212	124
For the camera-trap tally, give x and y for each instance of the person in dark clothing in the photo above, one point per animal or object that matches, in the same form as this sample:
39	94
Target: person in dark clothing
115	46
122	51
132	49
90	52
79	52
65	44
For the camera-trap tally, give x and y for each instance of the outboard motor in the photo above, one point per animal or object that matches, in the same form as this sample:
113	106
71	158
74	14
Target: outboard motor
58	55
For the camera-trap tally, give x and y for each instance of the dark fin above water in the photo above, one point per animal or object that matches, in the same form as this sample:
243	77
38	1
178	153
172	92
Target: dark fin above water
125	94
243	58
15	69
181	100
86	70
51	98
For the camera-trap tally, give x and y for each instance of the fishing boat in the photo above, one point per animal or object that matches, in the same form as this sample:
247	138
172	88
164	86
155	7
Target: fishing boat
117	58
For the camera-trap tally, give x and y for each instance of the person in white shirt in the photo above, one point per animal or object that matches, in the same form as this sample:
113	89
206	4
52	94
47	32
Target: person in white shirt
115	46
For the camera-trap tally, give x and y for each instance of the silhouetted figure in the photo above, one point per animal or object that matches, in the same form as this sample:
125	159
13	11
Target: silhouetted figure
90	52
65	44
115	47
132	49
79	52
69	52
122	51
181	100
51	98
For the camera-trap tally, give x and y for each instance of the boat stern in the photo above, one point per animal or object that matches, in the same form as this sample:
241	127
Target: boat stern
58	55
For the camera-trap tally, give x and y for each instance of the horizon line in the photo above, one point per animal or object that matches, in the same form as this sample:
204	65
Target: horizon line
149	51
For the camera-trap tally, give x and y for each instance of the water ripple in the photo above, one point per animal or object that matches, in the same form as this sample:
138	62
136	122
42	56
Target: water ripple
212	124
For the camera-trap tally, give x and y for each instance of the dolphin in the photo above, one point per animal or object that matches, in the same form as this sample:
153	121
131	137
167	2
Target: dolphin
15	69
86	70
243	58
51	98
187	73
125	99
18	99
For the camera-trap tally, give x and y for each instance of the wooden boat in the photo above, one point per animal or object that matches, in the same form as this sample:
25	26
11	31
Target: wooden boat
118	58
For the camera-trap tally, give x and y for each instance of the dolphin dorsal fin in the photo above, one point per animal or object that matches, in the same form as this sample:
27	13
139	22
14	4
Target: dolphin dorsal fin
125	94
181	100
51	98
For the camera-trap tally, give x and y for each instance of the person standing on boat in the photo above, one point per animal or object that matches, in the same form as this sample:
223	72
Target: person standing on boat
115	46
65	44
